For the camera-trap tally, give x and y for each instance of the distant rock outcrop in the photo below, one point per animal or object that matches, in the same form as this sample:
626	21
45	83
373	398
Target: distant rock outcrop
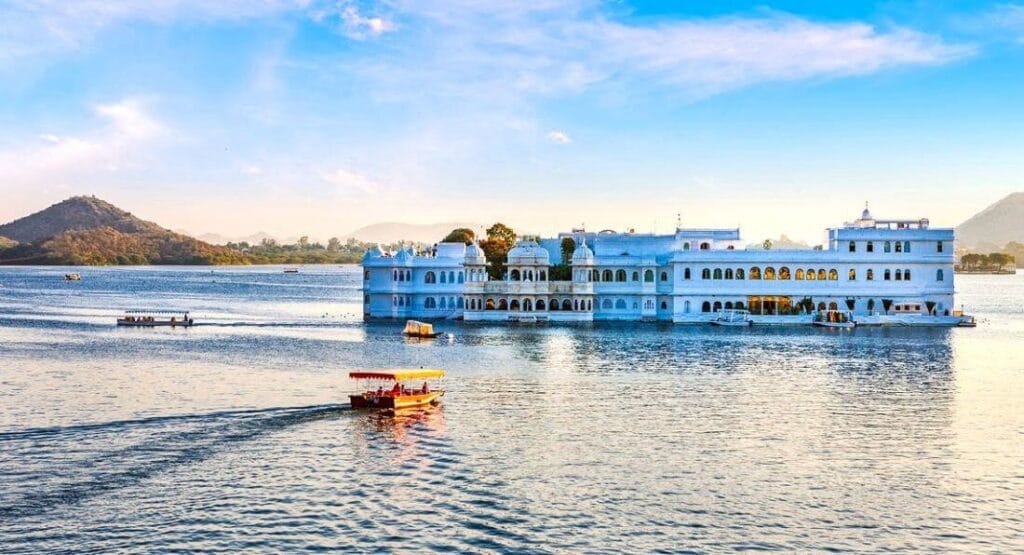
90	231
991	229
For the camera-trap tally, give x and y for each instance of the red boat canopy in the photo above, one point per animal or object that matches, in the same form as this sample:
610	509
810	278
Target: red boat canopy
397	375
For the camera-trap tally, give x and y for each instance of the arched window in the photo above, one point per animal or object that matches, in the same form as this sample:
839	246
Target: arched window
502	304
728	273
870	246
906	246
444	278
739	273
906	274
871	274
705	246
635	305
940	275
664	276
620	275
853	246
739	305
514	275
451	276
887	275
799	274
575	304
833	306
833	274
728	305
408	275
755	272
686	246
811	276
871	304
462	277
899	275
636	276
489	305
686	307
527	305
620	304
718	273
821	307
821	274
394	275
430	302
705	274
590	305
852	275
648	276
784	272
451	302
514	305
528	275
444	302
553	305
606	275
899	246
607	304
686	273
705	307
566	305
462	303
664	305
769	273
888	248
717	306
543	275
429	277
541	305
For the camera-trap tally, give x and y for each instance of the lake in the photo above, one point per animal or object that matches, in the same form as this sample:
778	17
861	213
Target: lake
232	435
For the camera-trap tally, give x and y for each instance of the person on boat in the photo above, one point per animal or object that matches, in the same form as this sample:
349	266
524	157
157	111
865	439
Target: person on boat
397	390
425	388
380	391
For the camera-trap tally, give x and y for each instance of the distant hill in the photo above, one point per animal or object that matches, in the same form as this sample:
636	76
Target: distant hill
392	232
6	243
254	239
783	242
992	228
90	231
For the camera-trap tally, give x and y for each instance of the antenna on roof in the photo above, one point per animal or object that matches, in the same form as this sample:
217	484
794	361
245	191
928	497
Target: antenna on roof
679	220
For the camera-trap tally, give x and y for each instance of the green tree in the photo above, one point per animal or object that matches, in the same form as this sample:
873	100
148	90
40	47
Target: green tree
460	235
568	247
333	244
500	239
304	242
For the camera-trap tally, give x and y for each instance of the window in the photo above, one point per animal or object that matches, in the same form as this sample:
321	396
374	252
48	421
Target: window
636	276
871	275
871	246
543	275
541	305
871	304
366	274
664	305
739	273
887	247
431	302
811	275
852	276
664	276
755	273
620	275
648	276
705	246
686	273
728	273
502	304
686	307
821	274
648	305
728	305
444	278
906	275
620	304
451	277
527	305
833	274
705	274
899	275
718	273
717	306
566	305
444	303
739	305
706	307
769	273
886	275
607	304
899	246
939	275
606	275
853	246
938	247
514	275
784	272
799	274
462	277
906	246
686	246
514	305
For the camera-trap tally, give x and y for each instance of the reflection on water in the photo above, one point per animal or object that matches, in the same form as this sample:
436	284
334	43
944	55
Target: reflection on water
597	437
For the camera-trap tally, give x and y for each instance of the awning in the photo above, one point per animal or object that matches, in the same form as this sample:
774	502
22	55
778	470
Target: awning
397	375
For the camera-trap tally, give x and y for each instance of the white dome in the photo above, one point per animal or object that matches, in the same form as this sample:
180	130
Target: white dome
582	254
375	252
528	252
866	214
474	255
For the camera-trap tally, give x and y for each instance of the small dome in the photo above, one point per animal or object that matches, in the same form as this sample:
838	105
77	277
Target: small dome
528	252
375	252
582	254
474	254
404	254
866	214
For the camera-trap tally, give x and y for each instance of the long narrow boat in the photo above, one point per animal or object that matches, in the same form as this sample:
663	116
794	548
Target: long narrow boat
834	319
732	317
391	392
155	318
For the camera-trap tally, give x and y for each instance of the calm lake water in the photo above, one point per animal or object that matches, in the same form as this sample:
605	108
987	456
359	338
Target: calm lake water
600	438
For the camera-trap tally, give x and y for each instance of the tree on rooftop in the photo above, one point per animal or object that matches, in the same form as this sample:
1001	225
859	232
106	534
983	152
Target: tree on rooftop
460	235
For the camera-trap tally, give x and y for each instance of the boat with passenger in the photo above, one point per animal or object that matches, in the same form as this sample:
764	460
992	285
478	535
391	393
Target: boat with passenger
155	318
73	277
732	317
841	319
391	392
415	328
291	270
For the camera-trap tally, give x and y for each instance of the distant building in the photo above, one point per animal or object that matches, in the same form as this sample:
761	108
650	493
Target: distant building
881	271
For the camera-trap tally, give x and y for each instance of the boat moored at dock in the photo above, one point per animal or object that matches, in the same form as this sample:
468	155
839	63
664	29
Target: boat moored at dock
391	392
732	318
840	319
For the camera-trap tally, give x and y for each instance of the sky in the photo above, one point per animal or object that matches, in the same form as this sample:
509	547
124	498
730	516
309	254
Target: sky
318	117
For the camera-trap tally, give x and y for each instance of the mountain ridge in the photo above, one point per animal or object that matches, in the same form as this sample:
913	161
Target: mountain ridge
998	224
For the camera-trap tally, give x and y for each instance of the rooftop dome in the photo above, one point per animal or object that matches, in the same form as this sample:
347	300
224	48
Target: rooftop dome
474	254
528	252
375	252
404	254
582	254
866	214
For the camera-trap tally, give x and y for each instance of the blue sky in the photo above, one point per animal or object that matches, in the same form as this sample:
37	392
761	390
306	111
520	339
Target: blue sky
310	117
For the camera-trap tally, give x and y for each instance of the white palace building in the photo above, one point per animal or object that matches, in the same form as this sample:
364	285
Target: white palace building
880	271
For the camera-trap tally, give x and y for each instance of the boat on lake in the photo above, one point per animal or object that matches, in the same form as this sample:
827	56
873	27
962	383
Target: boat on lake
391	392
155	318
841	319
291	270
415	328
732	318
73	277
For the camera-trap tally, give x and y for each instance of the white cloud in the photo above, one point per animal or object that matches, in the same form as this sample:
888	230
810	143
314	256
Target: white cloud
346	181
251	170
353	24
560	137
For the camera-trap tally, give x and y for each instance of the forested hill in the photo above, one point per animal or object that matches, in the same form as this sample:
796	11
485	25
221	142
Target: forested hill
89	231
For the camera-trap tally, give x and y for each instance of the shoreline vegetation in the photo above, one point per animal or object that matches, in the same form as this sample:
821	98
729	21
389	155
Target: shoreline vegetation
992	263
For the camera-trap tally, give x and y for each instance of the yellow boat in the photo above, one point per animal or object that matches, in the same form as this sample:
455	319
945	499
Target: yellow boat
395	395
414	328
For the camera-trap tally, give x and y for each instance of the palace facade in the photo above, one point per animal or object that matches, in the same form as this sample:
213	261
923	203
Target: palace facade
881	271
